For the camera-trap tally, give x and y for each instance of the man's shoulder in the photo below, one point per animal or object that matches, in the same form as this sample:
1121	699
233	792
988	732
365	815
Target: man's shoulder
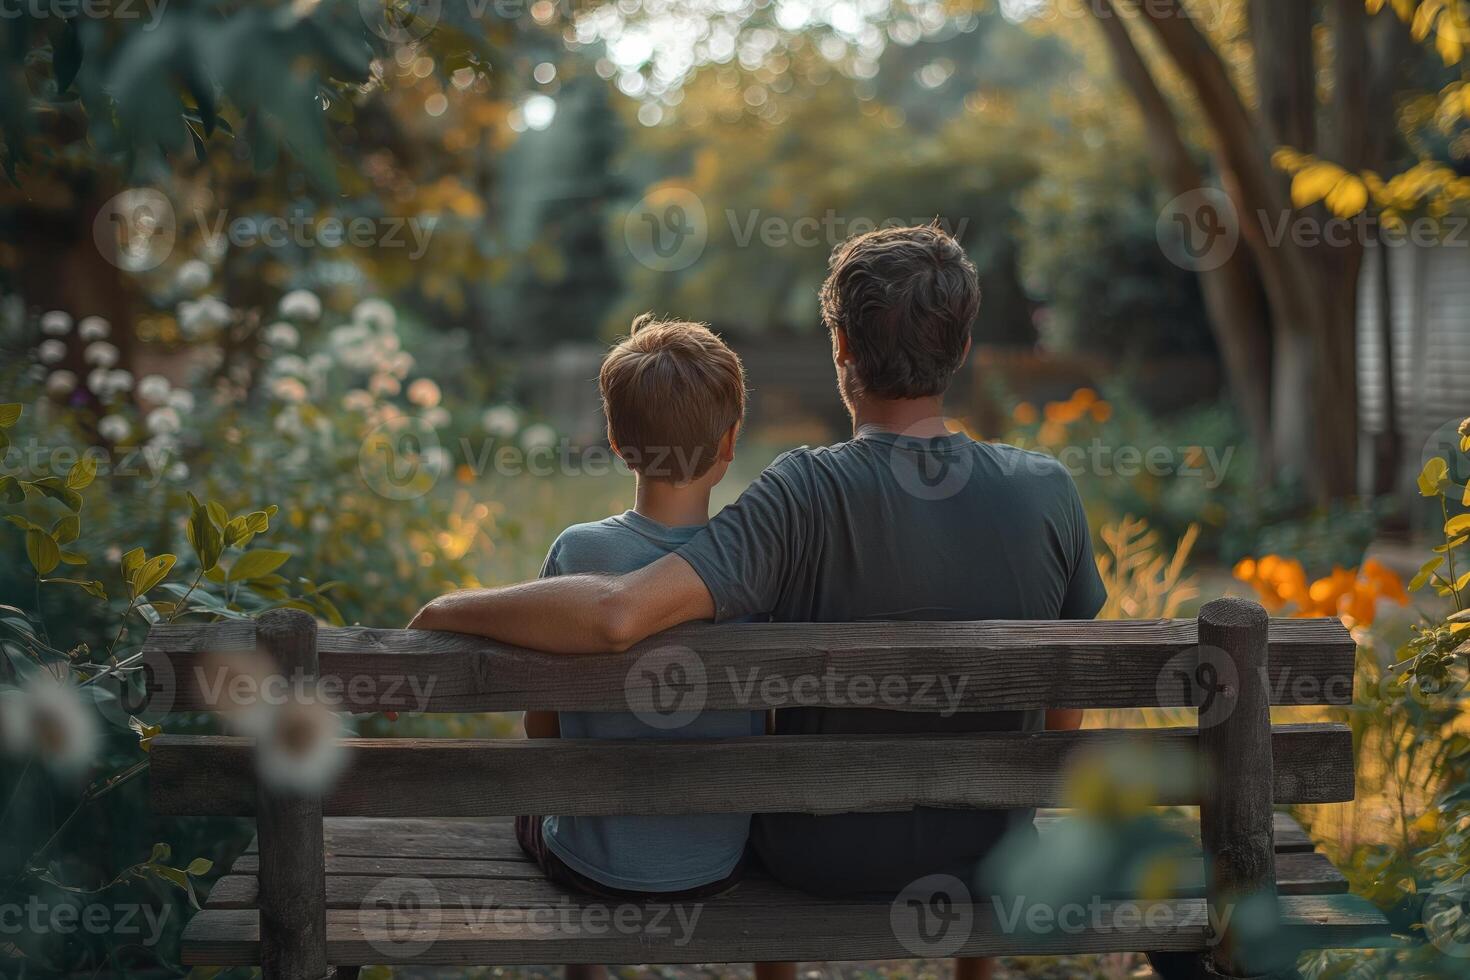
1013	460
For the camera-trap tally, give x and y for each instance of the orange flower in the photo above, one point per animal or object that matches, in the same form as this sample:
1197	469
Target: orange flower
1024	413
1101	411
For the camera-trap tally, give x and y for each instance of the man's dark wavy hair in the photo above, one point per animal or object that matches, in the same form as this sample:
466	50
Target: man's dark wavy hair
905	298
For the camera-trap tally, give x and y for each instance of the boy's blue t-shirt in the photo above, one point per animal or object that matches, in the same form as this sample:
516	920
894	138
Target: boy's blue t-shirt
642	853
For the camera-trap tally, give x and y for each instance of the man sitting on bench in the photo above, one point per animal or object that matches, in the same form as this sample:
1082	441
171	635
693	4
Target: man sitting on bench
905	521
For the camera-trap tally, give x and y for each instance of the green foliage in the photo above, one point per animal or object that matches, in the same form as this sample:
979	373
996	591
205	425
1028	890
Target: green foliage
1405	720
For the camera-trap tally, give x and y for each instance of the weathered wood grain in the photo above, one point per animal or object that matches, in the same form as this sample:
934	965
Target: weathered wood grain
493	838
475	887
1235	805
727	932
212	776
293	910
928	667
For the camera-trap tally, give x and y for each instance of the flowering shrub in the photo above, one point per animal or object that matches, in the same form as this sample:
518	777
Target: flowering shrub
133	493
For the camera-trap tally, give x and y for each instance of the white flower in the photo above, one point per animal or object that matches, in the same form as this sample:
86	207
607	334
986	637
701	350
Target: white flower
55	323
120	380
502	420
538	436
61	383
100	354
48	718
164	421
375	314
282	334
299	749
288	364
384	385
115	428
154	388
289	390
97	379
438	417
288	422
181	400
193	276
424	393
357	400
301	304
93	328
200	316
178	472
50	351
437	459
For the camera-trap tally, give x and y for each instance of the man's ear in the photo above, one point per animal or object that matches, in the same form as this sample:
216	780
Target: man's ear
840	354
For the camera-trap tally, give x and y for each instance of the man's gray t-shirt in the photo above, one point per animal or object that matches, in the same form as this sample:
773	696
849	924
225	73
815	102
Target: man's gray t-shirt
642	853
889	527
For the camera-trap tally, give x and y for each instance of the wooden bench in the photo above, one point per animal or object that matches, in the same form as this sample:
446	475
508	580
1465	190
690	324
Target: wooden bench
410	857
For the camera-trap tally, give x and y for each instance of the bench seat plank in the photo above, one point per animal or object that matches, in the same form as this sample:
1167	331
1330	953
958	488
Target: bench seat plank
406	777
990	666
729	932
494	837
524	887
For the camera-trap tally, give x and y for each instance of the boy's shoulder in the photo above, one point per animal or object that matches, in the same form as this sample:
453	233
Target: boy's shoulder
609	546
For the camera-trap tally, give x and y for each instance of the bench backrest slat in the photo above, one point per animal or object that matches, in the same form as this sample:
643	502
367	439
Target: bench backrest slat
409	777
924	667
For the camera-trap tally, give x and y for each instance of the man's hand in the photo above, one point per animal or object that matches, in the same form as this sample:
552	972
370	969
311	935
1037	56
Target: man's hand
577	613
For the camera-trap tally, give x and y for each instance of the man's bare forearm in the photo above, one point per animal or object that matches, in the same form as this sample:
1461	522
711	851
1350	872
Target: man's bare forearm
566	614
576	613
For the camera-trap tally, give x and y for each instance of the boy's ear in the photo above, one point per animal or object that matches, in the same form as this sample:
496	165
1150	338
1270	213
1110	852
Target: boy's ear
969	343
727	443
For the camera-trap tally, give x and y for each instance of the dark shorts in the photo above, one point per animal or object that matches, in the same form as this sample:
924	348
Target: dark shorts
533	842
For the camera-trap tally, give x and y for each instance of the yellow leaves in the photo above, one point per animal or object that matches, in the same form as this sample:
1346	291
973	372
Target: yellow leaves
1445	19
1315	181
1348	197
1344	193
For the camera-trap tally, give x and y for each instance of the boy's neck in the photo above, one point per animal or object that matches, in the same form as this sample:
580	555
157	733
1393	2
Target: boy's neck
670	505
921	418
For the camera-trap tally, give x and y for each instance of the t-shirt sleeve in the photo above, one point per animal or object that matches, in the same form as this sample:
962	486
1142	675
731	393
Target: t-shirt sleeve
1086	593
746	554
550	567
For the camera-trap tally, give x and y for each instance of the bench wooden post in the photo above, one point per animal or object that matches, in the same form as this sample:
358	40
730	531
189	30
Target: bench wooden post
1236	798
293	879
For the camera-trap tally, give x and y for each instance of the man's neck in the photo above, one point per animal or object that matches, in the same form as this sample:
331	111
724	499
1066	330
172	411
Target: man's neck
922	418
670	505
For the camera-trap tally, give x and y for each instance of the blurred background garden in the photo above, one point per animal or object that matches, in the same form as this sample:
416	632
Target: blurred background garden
302	302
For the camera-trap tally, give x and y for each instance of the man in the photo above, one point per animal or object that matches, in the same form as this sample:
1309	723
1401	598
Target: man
906	521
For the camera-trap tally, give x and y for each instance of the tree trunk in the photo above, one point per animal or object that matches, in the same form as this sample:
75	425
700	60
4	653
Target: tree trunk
1307	292
1232	292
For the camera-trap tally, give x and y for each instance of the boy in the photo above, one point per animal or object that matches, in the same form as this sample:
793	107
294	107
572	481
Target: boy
674	395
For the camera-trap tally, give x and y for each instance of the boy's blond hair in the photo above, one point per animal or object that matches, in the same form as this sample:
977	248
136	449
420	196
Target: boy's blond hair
670	391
